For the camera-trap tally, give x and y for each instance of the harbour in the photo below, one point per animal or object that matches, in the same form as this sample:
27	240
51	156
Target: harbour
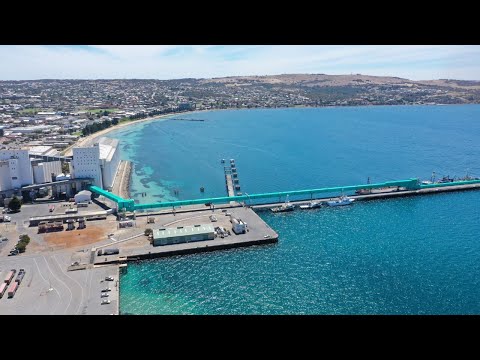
331	238
140	248
360	258
137	247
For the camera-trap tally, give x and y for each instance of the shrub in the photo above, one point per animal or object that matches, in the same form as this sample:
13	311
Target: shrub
15	204
21	246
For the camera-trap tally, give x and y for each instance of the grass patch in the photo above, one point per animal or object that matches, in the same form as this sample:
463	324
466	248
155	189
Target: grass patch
31	111
96	111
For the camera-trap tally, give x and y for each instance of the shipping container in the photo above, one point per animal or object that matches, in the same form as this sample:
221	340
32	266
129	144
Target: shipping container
10	276
12	289
3	288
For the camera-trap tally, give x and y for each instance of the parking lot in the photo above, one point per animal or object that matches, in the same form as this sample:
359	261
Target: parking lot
48	288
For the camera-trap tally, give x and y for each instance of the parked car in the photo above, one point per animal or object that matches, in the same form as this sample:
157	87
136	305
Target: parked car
109	278
104	302
104	295
106	289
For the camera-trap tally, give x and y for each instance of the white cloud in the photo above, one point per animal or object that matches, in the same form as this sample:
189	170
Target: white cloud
169	61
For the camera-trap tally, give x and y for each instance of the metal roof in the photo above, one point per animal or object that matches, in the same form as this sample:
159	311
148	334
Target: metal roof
182	231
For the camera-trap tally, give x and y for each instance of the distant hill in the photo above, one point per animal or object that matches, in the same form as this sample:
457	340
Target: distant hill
285	90
323	80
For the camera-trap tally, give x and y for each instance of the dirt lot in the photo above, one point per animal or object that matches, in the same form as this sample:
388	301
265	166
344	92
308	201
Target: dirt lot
73	238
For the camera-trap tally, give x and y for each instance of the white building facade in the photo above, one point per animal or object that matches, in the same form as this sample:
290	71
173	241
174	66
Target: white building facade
98	162
15	170
44	172
86	164
109	160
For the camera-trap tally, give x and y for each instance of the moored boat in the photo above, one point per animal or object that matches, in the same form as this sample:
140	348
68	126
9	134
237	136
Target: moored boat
342	200
288	206
311	205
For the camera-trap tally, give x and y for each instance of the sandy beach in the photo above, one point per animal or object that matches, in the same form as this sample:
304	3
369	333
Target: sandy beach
90	139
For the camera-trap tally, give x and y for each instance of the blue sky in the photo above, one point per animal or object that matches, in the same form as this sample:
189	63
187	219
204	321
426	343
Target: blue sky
415	62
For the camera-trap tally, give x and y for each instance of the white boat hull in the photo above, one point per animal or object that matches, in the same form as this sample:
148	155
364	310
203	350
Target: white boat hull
340	203
310	206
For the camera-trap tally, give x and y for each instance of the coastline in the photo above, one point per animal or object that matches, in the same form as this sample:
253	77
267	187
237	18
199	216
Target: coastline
90	139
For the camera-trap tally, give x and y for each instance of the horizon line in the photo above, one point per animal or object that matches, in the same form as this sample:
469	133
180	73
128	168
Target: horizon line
238	76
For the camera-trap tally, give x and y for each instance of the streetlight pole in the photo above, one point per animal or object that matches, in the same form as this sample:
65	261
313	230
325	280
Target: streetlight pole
250	200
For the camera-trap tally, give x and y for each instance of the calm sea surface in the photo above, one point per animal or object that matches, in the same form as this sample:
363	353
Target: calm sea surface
401	256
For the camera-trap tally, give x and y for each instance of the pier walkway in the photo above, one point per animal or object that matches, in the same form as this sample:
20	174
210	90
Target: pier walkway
381	195
228	179
412	187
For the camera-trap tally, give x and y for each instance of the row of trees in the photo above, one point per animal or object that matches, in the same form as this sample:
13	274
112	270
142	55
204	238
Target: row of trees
97	126
153	113
93	128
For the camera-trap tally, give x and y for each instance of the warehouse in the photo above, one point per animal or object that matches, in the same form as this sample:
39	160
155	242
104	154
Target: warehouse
182	234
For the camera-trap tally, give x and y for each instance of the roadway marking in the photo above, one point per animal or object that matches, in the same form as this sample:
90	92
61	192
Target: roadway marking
59	297
71	295
81	288
89	285
189	218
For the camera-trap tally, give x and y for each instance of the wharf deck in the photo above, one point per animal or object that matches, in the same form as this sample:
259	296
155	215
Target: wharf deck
380	195
228	179
259	233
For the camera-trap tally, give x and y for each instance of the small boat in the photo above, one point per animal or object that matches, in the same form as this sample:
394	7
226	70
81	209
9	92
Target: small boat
223	161
342	200
311	205
202	189
445	179
288	206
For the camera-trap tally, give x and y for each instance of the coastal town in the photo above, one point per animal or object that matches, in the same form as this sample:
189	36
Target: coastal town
56	113
69	225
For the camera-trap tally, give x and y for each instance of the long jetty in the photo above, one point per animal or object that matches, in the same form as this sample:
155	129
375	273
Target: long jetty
231	178
381	195
411	186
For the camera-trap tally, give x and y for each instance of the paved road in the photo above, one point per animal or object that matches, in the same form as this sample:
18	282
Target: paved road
48	288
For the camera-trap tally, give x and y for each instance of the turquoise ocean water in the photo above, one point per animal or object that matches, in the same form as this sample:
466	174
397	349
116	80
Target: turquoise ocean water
404	256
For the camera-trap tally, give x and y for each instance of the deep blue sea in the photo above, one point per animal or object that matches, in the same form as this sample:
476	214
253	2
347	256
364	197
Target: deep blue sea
401	256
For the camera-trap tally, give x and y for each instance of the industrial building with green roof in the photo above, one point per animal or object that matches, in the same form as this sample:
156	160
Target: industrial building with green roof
182	234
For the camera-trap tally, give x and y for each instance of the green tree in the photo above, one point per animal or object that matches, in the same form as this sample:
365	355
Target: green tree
1	132
25	239
21	246
148	232
14	204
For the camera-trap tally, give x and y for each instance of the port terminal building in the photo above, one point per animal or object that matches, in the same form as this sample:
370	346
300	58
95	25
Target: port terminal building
183	234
